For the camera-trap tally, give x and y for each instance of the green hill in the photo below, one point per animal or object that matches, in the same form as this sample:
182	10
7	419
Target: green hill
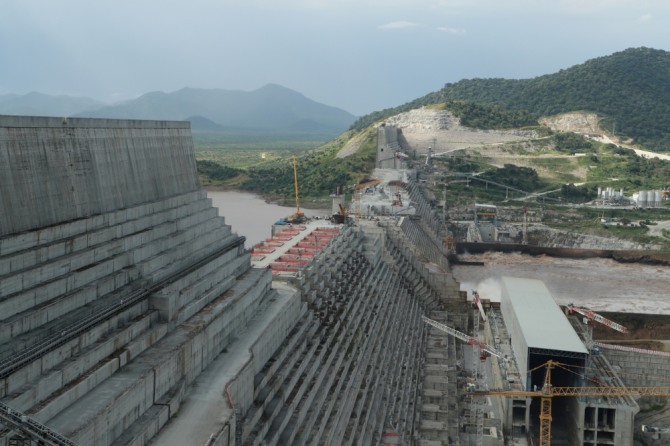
629	89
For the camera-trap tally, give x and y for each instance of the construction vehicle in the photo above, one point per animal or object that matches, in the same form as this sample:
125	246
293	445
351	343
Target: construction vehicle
341	216
596	317
548	391
655	431
298	217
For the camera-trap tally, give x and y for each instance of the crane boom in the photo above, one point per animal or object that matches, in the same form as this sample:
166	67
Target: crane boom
478	302
633	392
463	337
598	318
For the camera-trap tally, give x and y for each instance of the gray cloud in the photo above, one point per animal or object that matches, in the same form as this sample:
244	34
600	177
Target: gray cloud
353	54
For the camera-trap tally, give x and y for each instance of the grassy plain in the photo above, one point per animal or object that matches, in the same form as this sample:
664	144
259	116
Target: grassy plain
242	150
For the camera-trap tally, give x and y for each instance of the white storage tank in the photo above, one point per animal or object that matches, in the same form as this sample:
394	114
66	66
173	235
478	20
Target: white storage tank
657	198
642	198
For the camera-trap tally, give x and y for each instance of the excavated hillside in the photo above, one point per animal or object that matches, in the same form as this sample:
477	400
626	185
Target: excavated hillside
443	133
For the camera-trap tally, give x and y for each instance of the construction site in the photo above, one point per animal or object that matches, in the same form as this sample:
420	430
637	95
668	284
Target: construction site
133	315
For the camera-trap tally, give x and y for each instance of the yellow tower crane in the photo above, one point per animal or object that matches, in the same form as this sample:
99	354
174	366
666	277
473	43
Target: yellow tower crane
547	392
298	217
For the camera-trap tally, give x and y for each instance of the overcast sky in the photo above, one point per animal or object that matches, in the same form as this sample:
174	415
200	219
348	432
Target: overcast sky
359	55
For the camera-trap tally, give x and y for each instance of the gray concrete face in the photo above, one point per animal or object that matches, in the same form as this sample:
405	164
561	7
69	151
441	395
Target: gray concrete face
56	170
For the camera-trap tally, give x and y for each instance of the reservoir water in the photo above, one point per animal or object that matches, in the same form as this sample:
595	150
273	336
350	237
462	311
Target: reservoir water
249	215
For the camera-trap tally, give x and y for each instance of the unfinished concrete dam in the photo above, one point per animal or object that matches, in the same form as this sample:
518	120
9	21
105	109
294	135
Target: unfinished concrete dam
131	313
122	290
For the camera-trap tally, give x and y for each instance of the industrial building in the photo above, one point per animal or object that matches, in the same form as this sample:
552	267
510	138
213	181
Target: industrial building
539	332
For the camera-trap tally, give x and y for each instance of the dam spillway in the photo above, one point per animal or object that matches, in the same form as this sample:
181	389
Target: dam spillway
122	290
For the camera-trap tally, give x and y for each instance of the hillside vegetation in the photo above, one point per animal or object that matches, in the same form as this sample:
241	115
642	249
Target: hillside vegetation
319	172
629	89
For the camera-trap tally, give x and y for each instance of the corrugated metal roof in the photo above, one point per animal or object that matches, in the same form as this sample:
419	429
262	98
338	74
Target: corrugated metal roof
541	320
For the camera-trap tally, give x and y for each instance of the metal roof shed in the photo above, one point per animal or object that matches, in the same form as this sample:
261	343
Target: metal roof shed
538	329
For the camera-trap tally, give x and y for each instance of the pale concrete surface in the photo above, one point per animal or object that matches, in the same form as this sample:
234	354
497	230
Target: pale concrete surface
205	409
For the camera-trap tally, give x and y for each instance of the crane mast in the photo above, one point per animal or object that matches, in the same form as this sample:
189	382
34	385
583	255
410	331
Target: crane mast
295	182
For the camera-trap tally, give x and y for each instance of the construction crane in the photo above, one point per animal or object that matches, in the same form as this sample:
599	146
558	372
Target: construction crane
478	303
548	391
483	347
298	217
596	317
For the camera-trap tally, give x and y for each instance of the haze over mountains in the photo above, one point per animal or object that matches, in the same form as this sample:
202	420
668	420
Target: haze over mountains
272	108
38	104
628	90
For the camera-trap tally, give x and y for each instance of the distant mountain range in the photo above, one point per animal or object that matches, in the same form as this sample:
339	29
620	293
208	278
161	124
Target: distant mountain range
38	104
269	109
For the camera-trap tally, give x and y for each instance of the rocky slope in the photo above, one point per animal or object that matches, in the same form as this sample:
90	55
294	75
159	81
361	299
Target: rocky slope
443	132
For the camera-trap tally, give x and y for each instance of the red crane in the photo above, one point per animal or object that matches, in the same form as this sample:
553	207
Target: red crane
596	317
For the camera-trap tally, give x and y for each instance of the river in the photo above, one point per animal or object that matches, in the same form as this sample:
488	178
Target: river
249	215
599	284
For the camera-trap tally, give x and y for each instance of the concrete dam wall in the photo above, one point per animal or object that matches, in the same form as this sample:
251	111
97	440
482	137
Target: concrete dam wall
130	313
55	170
119	282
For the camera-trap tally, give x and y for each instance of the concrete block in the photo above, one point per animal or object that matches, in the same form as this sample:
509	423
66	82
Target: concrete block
19	379
55	357
55	250
94	222
124	358
11	285
165	303
49	234
18	242
106	285
101	236
169	372
82	259
22	261
51	290
146	340
47	387
17	304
